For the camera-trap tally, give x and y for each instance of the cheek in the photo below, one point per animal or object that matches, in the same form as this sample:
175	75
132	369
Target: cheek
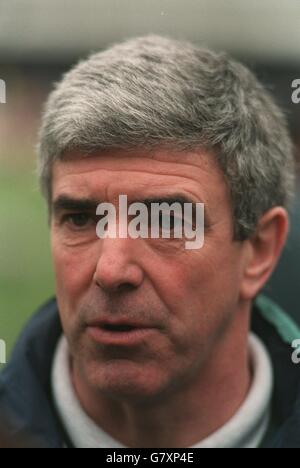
202	292
216	283
73	271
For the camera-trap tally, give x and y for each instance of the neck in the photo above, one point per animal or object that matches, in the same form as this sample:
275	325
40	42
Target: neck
189	415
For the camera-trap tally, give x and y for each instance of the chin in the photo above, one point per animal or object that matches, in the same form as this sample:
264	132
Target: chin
127	381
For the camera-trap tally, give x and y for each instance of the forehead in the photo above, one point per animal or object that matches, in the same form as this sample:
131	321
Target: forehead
137	173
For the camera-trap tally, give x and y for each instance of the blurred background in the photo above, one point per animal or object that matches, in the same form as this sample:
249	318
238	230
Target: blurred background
41	39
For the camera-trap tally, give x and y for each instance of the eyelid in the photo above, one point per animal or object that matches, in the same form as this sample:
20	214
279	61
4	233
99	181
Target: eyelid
67	216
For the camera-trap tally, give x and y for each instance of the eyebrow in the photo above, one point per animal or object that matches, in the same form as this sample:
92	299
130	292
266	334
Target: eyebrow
181	199
69	203
176	198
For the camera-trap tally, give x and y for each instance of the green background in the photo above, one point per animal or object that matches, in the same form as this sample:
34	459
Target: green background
26	278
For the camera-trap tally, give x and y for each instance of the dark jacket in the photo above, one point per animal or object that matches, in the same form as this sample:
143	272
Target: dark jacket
26	402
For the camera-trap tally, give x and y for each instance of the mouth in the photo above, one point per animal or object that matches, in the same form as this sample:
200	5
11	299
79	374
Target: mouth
118	328
119	334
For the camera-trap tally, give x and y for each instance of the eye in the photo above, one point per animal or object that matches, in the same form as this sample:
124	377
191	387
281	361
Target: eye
169	221
78	220
166	220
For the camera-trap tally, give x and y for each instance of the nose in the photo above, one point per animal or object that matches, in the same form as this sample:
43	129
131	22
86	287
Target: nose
117	268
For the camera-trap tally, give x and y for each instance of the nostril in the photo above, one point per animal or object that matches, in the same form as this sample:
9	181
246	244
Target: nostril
126	287
120	288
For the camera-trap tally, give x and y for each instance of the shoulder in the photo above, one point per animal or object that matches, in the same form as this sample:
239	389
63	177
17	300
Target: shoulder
25	395
278	331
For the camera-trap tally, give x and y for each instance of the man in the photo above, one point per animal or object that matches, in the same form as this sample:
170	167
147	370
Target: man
149	344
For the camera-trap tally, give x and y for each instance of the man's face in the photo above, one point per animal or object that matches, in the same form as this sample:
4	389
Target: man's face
183	298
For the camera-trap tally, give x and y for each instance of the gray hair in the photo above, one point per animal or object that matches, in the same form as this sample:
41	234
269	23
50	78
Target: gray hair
154	91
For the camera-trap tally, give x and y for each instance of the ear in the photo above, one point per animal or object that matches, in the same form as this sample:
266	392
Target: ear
263	251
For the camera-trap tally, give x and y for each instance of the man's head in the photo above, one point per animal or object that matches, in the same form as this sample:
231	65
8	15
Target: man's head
156	118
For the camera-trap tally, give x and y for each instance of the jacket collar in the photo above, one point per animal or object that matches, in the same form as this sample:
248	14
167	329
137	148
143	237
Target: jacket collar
25	387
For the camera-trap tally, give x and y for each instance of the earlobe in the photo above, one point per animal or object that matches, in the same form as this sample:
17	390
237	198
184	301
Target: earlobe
266	247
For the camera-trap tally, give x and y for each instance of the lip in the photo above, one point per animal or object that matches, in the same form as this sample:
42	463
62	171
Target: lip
118	322
100	332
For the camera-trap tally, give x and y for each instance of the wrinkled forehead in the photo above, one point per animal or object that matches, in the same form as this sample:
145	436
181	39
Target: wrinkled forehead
108	174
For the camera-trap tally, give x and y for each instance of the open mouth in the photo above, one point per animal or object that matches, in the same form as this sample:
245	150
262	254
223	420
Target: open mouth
118	328
119	334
